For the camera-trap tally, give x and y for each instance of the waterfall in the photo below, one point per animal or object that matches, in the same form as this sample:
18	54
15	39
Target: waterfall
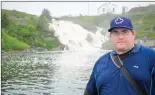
75	37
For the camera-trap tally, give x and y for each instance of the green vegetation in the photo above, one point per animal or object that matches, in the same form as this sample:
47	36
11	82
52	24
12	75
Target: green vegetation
43	21
10	43
5	20
87	18
144	24
21	31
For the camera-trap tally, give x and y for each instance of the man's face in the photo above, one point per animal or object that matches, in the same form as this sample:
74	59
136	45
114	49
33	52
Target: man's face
122	39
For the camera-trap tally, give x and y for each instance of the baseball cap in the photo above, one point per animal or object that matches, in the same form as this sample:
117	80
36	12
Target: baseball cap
123	22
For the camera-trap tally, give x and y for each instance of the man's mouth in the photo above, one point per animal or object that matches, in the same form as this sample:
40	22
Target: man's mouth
120	42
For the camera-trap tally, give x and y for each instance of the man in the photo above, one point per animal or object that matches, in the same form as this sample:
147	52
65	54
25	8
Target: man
107	79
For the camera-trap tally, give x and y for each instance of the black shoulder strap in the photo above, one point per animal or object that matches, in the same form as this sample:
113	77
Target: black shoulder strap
116	60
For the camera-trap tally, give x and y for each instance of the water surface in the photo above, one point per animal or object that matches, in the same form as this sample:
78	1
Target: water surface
47	73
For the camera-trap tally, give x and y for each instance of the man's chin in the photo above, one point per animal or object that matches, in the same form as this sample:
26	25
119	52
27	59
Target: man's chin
121	48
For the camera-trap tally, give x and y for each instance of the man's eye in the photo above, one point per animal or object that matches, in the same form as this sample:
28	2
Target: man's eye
125	31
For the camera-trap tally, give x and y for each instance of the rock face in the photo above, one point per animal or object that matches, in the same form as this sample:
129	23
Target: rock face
61	47
107	45
150	8
89	38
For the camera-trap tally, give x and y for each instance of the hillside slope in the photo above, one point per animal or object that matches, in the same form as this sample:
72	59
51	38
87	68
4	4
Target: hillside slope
22	27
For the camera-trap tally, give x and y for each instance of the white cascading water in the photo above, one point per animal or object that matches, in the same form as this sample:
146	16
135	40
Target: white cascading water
75	37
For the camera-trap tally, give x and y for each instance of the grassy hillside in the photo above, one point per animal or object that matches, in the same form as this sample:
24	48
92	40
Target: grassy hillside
144	24
10	43
22	27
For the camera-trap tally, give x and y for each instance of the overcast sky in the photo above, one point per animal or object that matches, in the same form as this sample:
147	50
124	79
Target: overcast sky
67	8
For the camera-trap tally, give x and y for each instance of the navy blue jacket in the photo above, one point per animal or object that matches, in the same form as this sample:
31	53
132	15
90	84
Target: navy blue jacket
106	78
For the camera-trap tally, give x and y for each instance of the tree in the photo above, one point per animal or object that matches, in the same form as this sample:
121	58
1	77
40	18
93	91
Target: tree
43	20
5	20
42	24
46	13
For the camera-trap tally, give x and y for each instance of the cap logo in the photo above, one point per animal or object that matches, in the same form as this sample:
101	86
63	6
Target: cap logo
119	20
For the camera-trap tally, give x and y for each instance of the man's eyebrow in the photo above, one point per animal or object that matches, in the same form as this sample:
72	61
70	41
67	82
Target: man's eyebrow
114	31
125	30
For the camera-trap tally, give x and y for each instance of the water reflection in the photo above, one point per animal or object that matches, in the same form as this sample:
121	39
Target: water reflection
47	73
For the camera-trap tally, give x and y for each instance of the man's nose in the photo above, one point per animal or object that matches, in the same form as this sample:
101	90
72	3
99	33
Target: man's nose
120	35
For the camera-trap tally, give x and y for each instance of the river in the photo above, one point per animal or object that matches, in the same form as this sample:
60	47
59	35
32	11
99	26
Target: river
47	73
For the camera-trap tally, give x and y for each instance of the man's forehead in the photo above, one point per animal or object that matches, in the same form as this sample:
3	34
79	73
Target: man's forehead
120	28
